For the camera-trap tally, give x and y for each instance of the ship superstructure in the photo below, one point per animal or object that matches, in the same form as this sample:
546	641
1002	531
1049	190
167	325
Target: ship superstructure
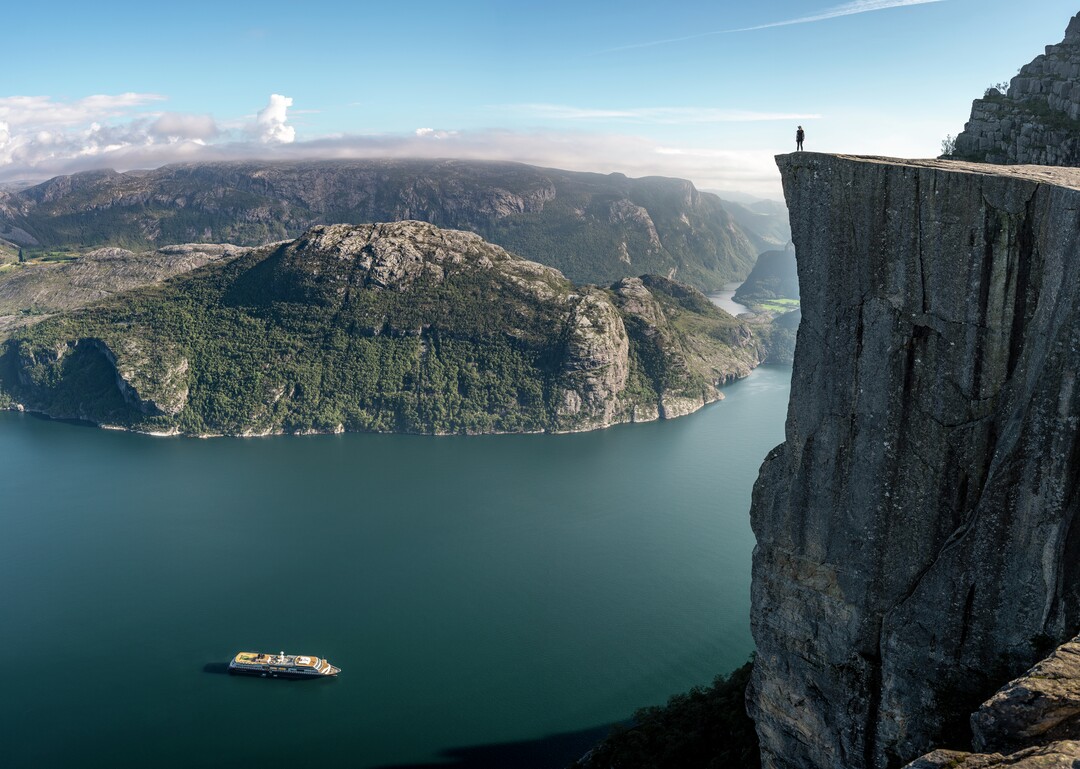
281	665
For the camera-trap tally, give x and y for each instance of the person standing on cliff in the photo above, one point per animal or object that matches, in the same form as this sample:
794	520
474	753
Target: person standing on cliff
799	136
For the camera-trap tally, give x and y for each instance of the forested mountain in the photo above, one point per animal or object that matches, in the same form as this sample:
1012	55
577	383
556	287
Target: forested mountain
398	327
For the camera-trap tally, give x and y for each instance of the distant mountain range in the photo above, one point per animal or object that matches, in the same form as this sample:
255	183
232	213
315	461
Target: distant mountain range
764	220
594	228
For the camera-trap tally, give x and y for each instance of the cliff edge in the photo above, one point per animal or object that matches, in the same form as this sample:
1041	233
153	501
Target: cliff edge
916	545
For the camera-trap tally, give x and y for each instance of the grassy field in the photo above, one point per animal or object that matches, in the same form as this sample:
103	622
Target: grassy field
778	305
9	253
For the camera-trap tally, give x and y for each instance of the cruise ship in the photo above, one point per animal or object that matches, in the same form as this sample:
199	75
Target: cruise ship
281	665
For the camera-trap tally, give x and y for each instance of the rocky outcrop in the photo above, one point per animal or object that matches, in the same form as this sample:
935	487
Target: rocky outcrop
1037	118
916	530
1057	755
1041	706
596	366
1031	722
95	383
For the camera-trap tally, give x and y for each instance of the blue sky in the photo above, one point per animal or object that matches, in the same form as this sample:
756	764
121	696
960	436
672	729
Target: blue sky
704	90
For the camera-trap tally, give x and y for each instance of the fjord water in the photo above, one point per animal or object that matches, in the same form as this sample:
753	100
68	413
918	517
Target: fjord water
725	299
474	590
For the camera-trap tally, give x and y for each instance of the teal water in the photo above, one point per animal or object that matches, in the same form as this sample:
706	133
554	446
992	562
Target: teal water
725	299
474	590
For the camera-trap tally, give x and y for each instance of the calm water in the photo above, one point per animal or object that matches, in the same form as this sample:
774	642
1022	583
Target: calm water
475	591
725	301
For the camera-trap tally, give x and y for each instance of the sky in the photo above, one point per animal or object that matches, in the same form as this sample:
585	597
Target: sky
708	91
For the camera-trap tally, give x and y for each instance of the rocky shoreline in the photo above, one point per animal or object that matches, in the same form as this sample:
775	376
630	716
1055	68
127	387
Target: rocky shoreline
658	415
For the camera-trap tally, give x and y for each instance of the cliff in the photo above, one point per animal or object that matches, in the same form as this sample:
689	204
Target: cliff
401	327
594	228
1032	722
1036	119
916	538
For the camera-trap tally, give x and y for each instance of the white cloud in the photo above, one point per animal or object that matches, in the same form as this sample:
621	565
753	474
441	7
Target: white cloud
177	125
656	115
42	111
44	138
41	136
752	171
270	123
431	133
845	9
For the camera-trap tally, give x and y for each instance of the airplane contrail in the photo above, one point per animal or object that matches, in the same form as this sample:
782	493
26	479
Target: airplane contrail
846	9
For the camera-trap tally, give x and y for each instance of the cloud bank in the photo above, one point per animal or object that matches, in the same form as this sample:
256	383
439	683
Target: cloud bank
41	138
46	112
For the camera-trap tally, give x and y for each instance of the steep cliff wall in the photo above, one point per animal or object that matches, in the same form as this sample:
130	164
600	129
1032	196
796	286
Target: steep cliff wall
916	545
1031	723
1037	119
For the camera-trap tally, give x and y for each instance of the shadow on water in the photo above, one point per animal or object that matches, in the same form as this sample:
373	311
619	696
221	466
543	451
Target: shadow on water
552	752
217	668
61	420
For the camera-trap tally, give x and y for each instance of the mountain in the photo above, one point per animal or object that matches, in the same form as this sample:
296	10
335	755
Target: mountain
1036	119
9	252
32	291
764	221
402	327
775	276
592	227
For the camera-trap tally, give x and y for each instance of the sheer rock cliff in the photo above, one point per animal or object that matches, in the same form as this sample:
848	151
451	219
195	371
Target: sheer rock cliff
916	538
1032	722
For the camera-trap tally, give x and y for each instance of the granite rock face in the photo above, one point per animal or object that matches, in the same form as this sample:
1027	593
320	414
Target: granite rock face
1030	722
1041	705
916	538
1058	755
1037	120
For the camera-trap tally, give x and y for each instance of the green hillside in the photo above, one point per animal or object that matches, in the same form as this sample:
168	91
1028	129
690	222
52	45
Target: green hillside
394	327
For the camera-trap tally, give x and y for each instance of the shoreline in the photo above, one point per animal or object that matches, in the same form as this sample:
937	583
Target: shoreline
340	429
